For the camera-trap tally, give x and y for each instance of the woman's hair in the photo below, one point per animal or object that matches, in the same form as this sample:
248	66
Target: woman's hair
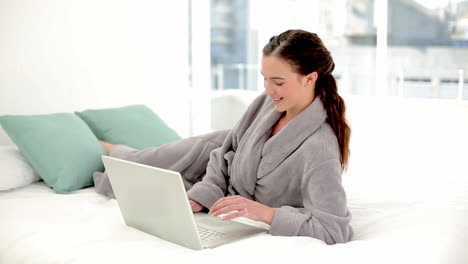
305	52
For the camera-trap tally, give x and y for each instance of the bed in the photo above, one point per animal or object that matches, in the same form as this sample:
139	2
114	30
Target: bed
407	190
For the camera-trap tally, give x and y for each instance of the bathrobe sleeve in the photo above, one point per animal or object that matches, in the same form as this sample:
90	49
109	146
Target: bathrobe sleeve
325	215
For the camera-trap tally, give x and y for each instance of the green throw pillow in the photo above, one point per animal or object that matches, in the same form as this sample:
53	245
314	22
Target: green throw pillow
136	126
60	147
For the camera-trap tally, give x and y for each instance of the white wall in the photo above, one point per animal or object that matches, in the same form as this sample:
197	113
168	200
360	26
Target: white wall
65	55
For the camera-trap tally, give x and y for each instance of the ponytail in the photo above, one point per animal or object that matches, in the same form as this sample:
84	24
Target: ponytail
326	90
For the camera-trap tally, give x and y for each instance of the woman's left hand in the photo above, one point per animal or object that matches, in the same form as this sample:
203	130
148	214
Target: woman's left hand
244	207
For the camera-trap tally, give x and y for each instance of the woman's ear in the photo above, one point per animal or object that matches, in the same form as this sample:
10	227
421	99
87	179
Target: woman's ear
311	78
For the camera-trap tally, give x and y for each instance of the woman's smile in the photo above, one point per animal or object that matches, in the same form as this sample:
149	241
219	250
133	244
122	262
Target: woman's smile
277	100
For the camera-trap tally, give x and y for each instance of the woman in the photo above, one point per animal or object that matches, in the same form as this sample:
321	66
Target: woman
282	163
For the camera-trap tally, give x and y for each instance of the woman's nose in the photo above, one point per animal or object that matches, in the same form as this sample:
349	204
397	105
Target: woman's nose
268	89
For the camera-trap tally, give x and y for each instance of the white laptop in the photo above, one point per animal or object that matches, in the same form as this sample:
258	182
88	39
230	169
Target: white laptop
154	201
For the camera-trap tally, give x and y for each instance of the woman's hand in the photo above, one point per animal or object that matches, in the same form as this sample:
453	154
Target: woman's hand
196	207
107	146
244	207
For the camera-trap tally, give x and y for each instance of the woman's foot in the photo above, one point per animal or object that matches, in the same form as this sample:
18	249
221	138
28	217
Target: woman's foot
107	146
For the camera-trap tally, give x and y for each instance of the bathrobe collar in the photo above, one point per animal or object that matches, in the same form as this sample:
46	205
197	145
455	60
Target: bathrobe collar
265	152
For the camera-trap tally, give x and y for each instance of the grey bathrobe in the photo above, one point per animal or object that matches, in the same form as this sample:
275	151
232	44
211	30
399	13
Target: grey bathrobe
297	171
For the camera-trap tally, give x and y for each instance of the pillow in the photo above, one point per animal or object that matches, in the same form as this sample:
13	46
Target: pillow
136	126
15	171
60	147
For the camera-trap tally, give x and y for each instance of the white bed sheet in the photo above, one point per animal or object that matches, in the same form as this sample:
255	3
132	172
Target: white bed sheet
39	226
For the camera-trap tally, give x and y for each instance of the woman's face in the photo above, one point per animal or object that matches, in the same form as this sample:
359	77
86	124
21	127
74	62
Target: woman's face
289	91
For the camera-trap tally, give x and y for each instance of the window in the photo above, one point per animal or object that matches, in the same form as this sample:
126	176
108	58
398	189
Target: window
411	48
240	29
428	49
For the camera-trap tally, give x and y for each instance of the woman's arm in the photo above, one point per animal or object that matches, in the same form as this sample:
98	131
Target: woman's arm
215	182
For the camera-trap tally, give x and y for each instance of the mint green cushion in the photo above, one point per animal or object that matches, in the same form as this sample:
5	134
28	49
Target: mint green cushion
60	147
135	126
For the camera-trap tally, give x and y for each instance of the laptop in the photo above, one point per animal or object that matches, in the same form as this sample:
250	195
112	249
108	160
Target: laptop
154	201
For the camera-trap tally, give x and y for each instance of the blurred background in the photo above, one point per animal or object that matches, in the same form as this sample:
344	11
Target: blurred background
411	48
196	63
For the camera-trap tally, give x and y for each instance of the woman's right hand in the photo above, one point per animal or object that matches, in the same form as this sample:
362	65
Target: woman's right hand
196	207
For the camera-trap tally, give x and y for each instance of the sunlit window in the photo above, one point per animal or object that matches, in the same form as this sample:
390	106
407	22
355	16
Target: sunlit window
409	48
428	48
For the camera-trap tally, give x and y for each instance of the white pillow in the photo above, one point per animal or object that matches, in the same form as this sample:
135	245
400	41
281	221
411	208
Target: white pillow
15	171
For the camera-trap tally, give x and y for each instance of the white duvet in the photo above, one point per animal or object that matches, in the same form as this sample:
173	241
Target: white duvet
407	188
39	226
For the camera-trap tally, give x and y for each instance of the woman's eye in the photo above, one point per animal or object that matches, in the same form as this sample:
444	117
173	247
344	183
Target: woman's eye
279	84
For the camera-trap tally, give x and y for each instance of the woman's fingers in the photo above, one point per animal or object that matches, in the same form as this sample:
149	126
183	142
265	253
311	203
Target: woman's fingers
241	206
234	215
196	207
219	207
226	209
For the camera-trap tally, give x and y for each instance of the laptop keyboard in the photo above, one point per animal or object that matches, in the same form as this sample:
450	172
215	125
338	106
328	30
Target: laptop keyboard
209	235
